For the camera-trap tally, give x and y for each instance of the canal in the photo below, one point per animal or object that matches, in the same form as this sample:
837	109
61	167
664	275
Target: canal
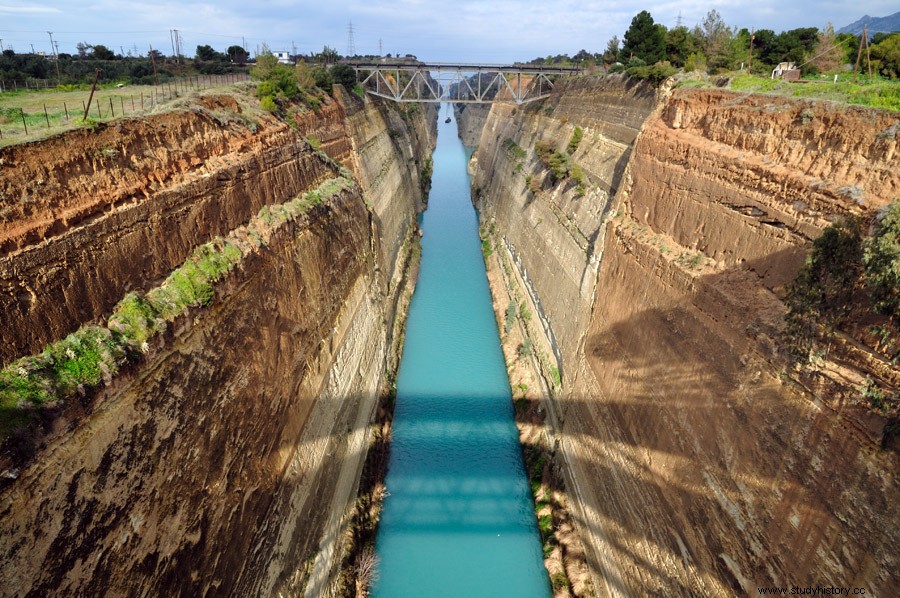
458	519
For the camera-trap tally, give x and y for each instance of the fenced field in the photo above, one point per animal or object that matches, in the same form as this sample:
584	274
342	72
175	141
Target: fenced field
31	114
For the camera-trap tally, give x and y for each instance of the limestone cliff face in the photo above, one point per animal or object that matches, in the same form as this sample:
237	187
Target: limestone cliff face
224	462
550	233
470	119
695	463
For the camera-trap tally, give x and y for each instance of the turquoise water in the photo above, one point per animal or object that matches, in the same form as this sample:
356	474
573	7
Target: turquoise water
458	520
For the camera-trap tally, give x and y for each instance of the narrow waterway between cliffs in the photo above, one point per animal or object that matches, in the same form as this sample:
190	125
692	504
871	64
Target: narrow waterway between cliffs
458	520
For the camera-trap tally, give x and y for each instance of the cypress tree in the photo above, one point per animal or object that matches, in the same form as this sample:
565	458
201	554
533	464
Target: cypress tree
644	40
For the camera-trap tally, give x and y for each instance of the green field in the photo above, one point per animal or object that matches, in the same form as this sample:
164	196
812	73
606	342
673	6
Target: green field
877	93
65	106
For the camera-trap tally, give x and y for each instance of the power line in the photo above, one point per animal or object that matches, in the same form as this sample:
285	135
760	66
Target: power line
351	47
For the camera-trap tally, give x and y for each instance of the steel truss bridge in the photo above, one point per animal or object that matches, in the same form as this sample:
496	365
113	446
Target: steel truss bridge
433	82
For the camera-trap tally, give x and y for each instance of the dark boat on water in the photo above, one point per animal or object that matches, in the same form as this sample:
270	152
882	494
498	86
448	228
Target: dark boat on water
448	120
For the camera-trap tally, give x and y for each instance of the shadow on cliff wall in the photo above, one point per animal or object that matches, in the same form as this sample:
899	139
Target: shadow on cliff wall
701	460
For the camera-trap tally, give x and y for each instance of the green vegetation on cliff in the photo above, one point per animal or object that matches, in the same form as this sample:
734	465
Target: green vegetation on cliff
850	283
280	84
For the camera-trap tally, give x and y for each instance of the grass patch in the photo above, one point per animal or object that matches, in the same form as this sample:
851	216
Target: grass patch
555	375
878	93
486	248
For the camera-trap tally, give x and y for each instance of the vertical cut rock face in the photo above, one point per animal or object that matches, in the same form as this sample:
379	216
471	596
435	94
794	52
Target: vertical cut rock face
695	463
225	460
553	235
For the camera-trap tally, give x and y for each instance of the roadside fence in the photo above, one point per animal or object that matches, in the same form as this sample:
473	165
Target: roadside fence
39	117
24	84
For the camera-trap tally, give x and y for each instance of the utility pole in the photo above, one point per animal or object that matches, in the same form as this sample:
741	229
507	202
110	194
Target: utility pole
91	97
153	60
293	51
868	57
380	52
2	49
865	36
56	56
750	59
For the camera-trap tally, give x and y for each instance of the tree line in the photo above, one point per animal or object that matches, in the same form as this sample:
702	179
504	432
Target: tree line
80	68
713	46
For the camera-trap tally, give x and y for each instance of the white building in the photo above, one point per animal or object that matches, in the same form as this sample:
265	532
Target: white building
283	57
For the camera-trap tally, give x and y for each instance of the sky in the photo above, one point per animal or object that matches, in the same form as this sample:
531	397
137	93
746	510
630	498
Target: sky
497	31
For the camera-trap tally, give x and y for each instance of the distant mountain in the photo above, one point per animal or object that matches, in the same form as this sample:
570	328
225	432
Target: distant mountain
876	24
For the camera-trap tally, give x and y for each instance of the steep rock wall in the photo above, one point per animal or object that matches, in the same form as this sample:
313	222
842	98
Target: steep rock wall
470	119
391	151
225	461
549	232
137	498
88	216
695	463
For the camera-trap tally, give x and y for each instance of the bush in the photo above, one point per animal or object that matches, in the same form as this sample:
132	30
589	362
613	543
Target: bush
577	134
633	62
322	77
526	349
510	315
559	580
513	149
557	162
427	172
268	104
344	74
556	376
577	174
822	291
486	248
696	61
656	74
882	262
134	318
